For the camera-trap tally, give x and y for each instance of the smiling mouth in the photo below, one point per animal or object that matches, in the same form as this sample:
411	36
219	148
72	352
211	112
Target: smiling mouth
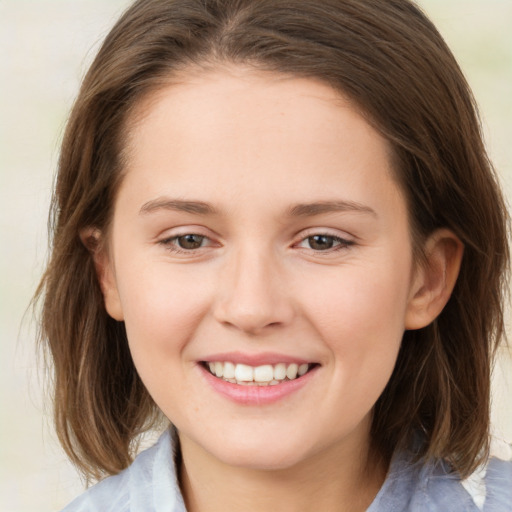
264	375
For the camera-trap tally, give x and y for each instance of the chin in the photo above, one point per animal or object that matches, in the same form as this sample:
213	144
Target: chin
262	459
262	452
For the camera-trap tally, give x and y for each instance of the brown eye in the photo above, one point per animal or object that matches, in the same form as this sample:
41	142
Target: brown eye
190	241
321	242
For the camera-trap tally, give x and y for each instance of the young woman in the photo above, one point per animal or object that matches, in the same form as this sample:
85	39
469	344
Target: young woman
276	226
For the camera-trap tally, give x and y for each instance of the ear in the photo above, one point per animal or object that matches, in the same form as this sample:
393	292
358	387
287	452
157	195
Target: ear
434	279
92	239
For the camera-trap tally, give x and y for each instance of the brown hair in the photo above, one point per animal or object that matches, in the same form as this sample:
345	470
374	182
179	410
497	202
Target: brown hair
390	60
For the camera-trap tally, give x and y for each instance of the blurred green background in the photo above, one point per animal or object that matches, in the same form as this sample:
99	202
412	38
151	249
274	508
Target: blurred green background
45	46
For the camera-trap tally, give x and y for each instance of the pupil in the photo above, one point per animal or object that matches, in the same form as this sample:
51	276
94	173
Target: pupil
190	241
321	242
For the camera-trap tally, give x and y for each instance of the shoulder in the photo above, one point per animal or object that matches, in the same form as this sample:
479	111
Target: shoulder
491	485
433	488
149	484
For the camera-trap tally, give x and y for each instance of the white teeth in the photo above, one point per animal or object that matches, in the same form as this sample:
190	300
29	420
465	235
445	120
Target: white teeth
303	368
257	376
280	371
219	369
291	371
263	373
244	373
229	370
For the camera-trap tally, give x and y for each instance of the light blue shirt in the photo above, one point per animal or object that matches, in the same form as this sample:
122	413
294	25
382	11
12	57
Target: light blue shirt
150	485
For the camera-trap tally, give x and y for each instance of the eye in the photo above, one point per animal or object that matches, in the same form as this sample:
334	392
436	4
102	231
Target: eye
186	243
190	241
324	243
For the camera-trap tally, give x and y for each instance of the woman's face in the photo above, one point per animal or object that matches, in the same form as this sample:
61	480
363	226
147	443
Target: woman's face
258	229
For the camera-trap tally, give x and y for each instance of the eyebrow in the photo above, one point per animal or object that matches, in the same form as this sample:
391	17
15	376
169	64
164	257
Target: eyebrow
318	208
163	203
299	210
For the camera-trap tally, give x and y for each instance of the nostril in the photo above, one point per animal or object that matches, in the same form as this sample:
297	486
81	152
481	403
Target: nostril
250	324
252	300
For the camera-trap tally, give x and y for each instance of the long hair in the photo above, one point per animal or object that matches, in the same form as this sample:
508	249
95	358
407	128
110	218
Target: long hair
388	58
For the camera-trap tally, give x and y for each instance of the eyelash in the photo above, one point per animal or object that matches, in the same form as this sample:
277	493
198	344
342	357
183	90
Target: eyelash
342	243
171	243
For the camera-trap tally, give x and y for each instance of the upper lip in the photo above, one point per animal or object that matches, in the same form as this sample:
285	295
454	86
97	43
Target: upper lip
255	359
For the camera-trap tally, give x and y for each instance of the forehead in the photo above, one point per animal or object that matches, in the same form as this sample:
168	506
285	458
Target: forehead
237	93
244	95
234	131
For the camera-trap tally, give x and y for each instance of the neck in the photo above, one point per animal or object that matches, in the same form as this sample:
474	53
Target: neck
343	478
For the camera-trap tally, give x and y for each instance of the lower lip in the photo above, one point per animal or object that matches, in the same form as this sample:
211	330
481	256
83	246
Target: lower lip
256	395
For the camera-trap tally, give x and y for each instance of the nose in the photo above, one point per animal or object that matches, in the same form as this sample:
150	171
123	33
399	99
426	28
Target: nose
252	295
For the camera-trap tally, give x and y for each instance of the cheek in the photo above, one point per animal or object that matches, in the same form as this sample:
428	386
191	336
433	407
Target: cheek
361	318
359	299
162	307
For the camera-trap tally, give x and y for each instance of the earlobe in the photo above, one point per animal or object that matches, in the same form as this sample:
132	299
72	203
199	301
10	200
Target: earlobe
435	279
92	240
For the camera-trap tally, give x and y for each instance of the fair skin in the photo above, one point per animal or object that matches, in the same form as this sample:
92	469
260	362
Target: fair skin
258	223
